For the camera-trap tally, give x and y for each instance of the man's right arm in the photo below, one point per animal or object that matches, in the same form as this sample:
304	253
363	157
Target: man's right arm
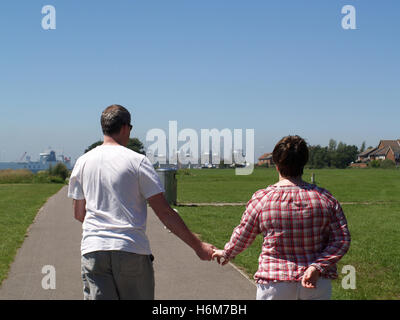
79	209
171	219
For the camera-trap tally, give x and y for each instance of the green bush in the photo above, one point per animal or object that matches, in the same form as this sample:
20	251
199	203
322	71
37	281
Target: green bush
387	164
59	170
374	164
41	177
56	179
384	164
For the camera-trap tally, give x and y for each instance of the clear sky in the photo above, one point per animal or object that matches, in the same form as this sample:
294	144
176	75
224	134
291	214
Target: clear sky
278	67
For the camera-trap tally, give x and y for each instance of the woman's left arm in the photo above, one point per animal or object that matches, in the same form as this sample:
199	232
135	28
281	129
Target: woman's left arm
339	240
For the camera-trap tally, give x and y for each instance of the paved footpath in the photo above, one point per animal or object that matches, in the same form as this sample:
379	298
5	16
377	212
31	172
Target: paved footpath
54	239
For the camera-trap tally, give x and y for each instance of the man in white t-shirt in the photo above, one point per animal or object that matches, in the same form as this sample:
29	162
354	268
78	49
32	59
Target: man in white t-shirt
111	186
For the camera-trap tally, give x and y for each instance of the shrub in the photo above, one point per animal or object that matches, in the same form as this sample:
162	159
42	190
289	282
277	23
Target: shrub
374	164
387	164
41	177
46	177
59	170
56	179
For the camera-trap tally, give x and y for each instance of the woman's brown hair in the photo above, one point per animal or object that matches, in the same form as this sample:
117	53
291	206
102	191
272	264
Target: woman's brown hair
290	156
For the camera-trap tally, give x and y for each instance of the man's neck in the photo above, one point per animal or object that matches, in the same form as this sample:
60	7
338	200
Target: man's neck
110	141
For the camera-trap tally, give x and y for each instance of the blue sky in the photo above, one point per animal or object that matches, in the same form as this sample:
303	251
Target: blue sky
278	67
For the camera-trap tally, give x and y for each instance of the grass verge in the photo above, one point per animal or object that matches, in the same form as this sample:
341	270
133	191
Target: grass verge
19	204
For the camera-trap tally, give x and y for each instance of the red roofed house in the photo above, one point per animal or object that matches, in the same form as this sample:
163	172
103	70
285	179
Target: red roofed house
265	159
387	149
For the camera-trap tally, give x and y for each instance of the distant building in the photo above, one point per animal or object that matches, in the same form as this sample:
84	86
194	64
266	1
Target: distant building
46	160
387	149
363	157
265	159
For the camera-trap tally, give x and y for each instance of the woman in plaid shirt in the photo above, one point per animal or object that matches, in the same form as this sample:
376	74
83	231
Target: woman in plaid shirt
304	228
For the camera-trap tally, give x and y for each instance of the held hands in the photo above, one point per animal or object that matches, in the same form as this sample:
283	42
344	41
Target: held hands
219	254
205	251
310	278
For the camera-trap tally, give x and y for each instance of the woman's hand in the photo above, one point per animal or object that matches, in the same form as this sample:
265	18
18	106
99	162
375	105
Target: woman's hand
219	254
310	278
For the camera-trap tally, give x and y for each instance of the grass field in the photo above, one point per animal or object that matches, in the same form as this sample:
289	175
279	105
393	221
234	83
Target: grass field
213	185
19	204
374	227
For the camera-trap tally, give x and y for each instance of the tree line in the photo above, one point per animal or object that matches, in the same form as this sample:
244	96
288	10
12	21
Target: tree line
134	144
335	155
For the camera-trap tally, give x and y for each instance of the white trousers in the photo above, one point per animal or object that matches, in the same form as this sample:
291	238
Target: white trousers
287	290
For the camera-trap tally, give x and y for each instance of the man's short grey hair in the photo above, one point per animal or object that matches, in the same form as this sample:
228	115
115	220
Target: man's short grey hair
113	118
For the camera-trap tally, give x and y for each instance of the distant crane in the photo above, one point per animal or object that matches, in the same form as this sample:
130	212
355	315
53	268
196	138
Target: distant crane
23	156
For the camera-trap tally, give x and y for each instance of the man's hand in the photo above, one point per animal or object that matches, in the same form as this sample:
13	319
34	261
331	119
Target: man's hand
310	278
171	219
205	251
219	254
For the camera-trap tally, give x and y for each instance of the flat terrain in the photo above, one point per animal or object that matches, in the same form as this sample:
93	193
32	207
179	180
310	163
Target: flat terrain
348	185
371	202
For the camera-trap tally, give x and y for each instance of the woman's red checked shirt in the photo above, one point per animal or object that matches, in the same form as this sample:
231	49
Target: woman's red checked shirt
302	225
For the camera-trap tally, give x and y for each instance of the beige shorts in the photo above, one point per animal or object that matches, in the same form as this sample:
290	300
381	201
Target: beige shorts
286	290
117	275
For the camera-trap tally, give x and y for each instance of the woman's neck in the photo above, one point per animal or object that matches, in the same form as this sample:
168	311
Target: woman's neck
289	180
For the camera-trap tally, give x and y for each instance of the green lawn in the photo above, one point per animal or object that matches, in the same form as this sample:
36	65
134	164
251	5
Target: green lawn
19	204
374	250
213	185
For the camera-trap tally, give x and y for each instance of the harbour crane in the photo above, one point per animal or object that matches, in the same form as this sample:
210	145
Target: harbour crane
23	156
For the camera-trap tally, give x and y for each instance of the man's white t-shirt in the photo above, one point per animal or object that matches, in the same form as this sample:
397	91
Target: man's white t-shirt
115	182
